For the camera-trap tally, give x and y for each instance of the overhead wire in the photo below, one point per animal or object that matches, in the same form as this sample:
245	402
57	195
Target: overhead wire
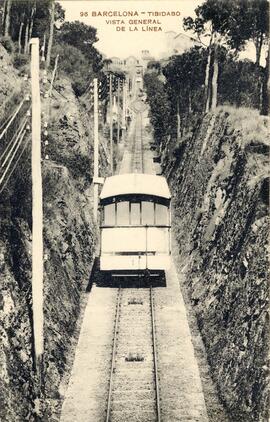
13	156
12	118
5	122
12	142
15	165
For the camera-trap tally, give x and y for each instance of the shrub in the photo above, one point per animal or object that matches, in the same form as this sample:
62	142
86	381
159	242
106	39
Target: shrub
20	60
7	44
73	63
79	86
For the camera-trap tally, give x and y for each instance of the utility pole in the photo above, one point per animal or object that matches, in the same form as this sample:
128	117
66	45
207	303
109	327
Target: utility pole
37	212
95	148
118	111
178	118
111	126
50	40
53	74
124	110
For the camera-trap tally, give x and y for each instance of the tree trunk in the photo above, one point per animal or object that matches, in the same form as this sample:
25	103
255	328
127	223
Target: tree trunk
7	18
26	37
178	121
208	94
265	89
207	76
189	102
258	46
31	24
214	80
3	16
43	49
50	41
20	38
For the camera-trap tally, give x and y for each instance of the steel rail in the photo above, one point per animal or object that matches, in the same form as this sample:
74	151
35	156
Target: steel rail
134	149
137	147
117	315
142	162
155	355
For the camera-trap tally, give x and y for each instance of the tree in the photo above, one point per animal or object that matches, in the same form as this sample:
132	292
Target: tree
83	37
252	18
217	20
159	105
184	81
265	88
7	7
50	42
32	18
229	23
78	34
154	65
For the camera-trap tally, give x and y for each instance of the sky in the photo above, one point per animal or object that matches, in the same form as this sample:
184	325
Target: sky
125	43
122	44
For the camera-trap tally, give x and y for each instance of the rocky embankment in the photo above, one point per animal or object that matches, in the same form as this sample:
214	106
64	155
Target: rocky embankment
219	179
69	246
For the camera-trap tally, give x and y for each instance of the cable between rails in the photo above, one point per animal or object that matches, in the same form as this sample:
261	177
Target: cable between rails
113	355
155	354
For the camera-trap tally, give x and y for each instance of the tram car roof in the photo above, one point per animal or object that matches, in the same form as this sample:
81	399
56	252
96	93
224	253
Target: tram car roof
135	183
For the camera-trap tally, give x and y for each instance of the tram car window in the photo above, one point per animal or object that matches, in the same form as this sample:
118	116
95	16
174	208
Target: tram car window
135	225
135	213
148	213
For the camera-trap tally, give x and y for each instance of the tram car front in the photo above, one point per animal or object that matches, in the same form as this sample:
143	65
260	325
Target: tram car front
135	224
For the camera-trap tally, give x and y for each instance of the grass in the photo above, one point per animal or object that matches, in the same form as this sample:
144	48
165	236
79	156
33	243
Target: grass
253	126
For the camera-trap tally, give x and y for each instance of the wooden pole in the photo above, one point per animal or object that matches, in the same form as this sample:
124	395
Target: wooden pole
95	147
111	127
118	111
178	118
50	40
26	39
7	17
53	75
37	211
20	38
124	111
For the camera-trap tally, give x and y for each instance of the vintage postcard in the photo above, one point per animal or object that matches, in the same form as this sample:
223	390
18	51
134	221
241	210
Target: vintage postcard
134	192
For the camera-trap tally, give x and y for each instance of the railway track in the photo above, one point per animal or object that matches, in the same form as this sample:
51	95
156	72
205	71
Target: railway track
134	386
137	146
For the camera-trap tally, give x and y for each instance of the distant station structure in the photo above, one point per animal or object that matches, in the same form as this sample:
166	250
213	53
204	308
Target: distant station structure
133	67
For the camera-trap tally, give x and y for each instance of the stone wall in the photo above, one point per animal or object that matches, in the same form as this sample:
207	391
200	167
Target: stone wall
219	179
69	250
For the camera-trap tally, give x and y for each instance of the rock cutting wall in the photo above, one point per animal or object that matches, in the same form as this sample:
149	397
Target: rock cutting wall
218	176
69	248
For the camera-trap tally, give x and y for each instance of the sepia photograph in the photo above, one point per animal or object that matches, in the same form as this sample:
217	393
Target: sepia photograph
134	211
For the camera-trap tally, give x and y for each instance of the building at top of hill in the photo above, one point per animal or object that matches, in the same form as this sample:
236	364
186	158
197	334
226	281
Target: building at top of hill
177	44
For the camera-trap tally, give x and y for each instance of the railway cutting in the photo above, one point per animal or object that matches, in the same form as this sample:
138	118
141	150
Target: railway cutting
135	360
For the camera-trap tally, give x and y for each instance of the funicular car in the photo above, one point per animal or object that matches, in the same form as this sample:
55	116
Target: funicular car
135	224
